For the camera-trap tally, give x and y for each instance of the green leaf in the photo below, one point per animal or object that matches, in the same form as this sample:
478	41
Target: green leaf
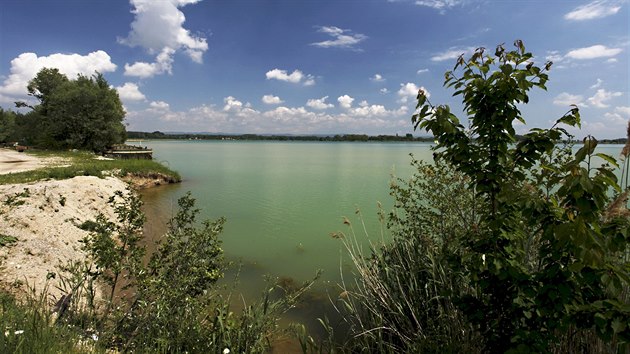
608	159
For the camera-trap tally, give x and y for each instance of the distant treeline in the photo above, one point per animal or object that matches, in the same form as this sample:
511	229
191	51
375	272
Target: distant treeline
338	137
344	137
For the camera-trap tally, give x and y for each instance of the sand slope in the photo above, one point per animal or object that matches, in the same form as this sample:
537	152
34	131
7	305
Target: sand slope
44	219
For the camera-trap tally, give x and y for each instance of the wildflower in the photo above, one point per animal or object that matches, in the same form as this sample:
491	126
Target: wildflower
19	331
483	258
226	351
94	337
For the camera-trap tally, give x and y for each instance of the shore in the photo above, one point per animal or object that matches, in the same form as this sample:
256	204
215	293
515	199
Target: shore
39	221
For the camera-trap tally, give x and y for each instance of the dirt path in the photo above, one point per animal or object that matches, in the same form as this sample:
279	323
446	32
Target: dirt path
12	161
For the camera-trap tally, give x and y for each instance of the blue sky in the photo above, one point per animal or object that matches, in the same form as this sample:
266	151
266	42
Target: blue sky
314	66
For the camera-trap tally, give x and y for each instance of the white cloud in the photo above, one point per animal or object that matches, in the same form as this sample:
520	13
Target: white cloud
567	99
130	92
377	78
593	10
232	104
159	24
601	98
593	52
342	38
163	64
598	84
612	60
452	53
554	56
319	103
159	106
26	66
410	90
238	118
440	5
422	71
384	91
345	101
271	99
625	110
295	77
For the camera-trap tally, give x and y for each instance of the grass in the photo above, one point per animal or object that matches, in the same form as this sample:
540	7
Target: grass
70	164
25	327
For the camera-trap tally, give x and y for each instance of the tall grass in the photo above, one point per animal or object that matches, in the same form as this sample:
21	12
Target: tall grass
26	326
401	300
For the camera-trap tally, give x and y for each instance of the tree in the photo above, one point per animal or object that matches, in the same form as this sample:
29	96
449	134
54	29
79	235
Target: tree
85	113
549	252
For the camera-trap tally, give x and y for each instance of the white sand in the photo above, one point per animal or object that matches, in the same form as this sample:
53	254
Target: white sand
12	161
46	230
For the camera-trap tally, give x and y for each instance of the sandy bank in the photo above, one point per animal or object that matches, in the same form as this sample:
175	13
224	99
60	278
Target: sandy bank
12	161
44	217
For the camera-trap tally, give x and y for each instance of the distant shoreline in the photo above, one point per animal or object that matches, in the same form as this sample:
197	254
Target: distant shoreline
134	136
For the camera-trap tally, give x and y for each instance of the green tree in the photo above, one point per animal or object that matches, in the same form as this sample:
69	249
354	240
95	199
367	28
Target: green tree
544	257
85	113
7	125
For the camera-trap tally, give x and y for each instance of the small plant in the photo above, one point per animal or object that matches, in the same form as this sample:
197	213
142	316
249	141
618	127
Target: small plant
6	240
62	200
17	198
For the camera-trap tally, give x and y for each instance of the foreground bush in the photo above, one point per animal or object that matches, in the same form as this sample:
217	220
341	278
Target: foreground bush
539	259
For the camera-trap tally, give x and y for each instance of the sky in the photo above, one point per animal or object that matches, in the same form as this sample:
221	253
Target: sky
315	66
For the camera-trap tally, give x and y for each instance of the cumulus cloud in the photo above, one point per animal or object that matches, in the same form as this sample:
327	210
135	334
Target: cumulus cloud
422	71
410	90
236	117
593	52
130	92
384	91
271	99
159	106
440	5
342	38
567	99
377	78
27	65
345	101
452	53
295	77
319	103
625	110
594	10
164	15
158	28
163	64
598	84
601	98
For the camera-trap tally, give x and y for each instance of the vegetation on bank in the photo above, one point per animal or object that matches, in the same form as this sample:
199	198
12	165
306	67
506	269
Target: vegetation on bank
83	113
500	246
68	164
157	135
503	244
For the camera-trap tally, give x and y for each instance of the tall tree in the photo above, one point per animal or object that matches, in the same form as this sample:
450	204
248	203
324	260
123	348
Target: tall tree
85	113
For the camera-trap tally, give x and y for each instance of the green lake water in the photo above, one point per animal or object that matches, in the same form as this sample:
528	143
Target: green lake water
282	201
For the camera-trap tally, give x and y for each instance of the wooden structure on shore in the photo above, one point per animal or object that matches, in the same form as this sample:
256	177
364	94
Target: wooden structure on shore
123	151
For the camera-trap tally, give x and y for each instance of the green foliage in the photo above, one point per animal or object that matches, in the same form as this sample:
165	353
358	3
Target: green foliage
25	328
172	304
17	198
84	113
545	256
6	240
403	298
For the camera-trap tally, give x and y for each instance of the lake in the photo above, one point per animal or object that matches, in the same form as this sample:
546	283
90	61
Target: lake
282	200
